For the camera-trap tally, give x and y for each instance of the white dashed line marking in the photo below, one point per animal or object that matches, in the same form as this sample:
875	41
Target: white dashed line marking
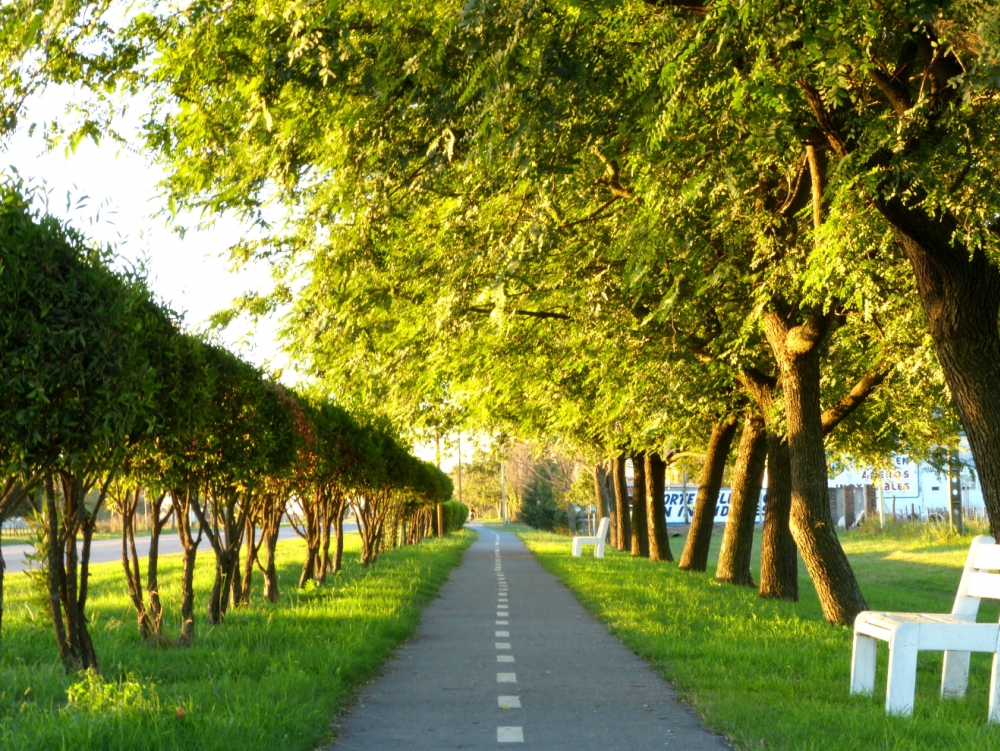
503	645
505	658
509	702
502	623
510	735
506	677
502	633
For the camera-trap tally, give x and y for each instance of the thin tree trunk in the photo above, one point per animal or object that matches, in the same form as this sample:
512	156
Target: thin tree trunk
640	534
695	555
3	566
623	536
155	608
338	530
656	512
797	351
748	477
190	545
779	560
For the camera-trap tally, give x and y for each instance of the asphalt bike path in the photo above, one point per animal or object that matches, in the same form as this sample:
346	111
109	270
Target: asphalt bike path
507	656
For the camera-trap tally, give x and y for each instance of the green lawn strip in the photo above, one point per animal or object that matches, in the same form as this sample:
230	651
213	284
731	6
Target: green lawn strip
772	674
271	677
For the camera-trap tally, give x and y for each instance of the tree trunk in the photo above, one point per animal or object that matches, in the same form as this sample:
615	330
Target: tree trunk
623	533
748	477
779	560
640	533
190	545
695	555
656	512
440	520
2	567
270	570
155	608
338	529
130	561
797	351
960	294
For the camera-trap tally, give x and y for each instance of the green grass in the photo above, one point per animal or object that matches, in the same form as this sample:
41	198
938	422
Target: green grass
270	677
775	675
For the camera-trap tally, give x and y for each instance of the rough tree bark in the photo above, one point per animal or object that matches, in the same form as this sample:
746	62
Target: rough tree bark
695	555
748	477
656	512
623	527
779	559
640	534
796	349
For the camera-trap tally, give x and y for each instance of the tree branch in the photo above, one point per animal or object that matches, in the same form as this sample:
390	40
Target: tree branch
520	312
854	398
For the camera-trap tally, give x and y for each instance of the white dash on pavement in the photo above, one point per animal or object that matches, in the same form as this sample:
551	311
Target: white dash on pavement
505	658
502	623
510	735
509	702
502	633
503	644
506	677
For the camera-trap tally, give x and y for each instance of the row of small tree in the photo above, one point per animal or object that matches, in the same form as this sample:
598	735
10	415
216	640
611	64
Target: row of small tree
105	399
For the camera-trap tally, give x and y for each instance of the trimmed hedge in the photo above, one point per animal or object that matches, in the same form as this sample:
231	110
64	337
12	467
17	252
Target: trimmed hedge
455	515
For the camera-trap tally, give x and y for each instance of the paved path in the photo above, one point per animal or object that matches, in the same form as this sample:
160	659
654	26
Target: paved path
102	551
506	655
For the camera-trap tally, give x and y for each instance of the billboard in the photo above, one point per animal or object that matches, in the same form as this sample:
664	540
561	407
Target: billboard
675	506
900	481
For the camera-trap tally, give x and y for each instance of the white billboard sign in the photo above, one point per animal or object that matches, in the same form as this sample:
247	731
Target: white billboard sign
675	507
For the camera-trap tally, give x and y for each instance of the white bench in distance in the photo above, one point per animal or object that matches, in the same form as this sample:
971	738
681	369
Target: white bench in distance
597	540
956	634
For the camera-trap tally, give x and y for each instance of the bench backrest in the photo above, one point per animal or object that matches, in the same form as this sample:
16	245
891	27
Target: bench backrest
602	529
977	581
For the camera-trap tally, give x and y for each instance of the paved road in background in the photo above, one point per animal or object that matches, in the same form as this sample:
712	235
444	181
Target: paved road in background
507	656
102	551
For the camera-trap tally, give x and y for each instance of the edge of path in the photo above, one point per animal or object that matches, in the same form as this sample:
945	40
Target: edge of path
352	695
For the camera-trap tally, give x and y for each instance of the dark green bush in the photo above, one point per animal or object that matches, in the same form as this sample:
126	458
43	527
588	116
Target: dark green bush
455	515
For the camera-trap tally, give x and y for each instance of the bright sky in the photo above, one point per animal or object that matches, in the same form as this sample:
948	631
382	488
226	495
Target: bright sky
191	274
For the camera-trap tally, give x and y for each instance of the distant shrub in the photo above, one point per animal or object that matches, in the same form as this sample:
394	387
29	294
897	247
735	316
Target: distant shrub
455	515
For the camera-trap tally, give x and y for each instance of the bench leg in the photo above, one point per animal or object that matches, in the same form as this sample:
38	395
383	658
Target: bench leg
954	675
599	550
863	664
902	671
994	713
577	548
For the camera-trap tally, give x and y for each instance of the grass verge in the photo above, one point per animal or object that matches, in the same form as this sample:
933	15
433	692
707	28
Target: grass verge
271	677
775	675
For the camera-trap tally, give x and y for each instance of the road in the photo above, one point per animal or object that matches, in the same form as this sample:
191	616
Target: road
506	655
102	551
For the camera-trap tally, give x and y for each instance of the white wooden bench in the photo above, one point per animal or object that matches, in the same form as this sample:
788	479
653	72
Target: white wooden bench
956	634
597	540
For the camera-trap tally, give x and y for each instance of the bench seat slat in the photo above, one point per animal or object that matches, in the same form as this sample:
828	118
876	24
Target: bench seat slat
987	557
984	585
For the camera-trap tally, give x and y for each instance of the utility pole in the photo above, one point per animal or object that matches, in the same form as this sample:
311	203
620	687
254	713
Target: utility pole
459	467
440	508
503	494
955	491
881	500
